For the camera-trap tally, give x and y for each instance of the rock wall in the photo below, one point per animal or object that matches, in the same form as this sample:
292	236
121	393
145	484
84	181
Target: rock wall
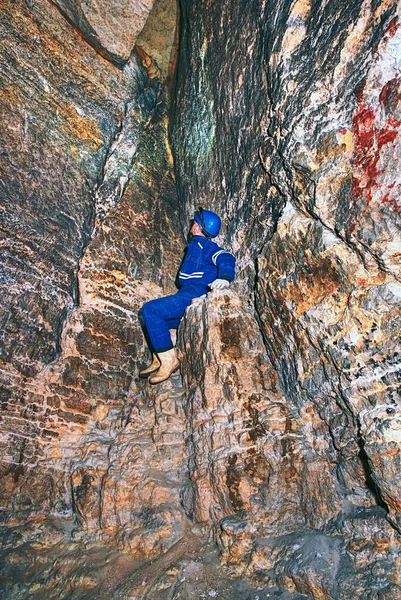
89	217
290	509
287	122
280	438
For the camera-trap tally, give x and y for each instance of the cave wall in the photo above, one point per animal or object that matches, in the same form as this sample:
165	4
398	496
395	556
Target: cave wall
89	216
287	122
281	434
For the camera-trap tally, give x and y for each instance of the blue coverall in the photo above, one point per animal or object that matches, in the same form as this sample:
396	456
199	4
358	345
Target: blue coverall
203	262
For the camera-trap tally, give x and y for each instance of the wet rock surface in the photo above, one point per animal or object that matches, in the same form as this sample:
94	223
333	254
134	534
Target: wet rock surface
268	467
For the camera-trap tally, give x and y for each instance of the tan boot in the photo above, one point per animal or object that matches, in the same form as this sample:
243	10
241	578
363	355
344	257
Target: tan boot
169	364
154	365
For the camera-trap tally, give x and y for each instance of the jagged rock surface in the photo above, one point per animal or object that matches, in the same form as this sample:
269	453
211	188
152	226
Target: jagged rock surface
282	439
305	110
265	472
112	26
73	426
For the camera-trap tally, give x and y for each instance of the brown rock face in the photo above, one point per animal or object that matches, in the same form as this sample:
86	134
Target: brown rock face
279	440
111	26
69	359
266	473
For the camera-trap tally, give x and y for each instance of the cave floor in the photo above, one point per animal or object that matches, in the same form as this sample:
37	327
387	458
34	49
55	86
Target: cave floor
189	570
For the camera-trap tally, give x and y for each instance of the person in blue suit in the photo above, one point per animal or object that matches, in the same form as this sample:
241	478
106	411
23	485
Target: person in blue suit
205	266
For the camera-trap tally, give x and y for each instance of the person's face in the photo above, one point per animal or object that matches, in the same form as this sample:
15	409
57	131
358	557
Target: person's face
195	229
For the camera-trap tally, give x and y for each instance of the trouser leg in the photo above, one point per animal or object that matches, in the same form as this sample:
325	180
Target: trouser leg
163	314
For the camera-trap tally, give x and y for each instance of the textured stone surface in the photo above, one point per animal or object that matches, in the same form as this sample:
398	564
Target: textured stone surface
159	37
112	26
58	121
267	474
220	120
68	431
281	441
313	102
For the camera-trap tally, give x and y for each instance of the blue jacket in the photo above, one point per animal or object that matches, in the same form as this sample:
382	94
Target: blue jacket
204	262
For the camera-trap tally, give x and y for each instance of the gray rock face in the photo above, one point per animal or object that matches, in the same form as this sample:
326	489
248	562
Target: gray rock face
221	120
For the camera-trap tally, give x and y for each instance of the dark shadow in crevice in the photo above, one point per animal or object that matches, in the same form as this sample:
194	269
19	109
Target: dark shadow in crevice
370	482
372	485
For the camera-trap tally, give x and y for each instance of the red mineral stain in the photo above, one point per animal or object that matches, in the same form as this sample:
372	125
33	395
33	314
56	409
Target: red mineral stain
364	127
369	140
389	32
396	207
357	187
390	91
359	91
393	203
385	136
392	27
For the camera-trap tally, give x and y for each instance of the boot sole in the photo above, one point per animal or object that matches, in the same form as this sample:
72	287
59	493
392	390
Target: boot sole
147	375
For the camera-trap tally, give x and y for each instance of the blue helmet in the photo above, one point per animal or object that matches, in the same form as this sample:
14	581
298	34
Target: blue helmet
209	222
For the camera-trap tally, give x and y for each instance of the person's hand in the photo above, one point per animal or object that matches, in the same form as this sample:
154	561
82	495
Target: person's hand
219	284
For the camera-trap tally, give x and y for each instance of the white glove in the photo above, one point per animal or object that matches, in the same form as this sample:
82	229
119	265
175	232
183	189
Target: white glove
219	284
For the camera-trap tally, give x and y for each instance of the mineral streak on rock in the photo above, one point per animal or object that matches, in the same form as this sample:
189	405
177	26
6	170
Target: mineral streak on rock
66	428
283	437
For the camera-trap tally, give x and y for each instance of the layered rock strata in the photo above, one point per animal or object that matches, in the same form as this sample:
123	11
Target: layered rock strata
282	439
83	250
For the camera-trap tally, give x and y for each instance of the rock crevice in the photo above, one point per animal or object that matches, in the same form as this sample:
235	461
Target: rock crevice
280	437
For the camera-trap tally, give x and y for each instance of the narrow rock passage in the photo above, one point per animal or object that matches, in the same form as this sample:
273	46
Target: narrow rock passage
268	467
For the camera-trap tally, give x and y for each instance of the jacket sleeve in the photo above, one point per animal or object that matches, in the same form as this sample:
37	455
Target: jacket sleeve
225	263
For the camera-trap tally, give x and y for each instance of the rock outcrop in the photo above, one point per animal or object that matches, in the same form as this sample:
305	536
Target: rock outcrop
83	250
112	27
286	506
279	440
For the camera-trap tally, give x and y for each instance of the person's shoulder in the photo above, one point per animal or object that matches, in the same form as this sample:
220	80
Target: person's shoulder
212	246
205	243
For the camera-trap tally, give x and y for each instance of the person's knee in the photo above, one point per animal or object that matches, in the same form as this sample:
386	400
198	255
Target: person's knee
148	309
145	310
